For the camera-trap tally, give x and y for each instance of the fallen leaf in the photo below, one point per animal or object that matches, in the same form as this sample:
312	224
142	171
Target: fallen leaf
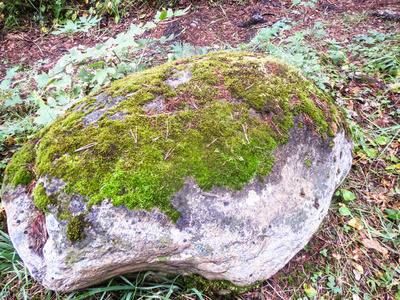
357	224
337	256
361	155
10	140
357	275
386	183
359	268
394	87
371	244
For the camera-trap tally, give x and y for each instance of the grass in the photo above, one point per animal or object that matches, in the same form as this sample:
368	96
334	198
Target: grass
355	253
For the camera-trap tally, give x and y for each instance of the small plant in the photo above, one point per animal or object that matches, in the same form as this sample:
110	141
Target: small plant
293	49
83	24
184	50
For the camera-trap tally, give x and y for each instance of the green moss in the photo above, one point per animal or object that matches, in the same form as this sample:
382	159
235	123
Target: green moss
219	128
76	227
215	288
19	171
40	197
162	258
308	163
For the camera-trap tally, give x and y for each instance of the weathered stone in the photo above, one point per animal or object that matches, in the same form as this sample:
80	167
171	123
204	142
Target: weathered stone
246	128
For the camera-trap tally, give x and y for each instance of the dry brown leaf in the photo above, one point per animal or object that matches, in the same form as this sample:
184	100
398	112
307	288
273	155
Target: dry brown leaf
386	183
371	244
337	256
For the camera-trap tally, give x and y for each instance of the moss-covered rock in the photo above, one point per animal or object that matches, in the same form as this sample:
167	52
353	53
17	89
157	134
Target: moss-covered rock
215	118
221	165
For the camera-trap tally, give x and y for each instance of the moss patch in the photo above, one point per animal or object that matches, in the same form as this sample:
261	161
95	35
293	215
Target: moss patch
220	128
40	197
76	227
218	289
19	171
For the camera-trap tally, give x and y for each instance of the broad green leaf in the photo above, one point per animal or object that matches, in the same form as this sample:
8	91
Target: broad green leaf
43	79
181	12
344	211
163	15
309	290
51	102
370	152
347	195
14	100
382	140
45	115
96	64
394	167
5	84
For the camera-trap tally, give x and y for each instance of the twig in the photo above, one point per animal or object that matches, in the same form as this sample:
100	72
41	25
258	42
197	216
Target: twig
275	290
134	135
169	153
212	142
148	85
86	147
249	86
277	129
194	104
156	115
245	134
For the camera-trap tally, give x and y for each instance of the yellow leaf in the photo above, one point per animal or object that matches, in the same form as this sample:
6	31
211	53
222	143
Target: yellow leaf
361	155
359	268
371	244
357	224
44	29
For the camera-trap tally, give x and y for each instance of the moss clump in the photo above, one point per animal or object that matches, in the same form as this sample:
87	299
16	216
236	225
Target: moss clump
215	288
19	171
76	227
220	128
308	163
40	197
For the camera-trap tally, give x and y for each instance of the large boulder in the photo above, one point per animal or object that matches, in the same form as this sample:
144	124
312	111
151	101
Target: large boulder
221	165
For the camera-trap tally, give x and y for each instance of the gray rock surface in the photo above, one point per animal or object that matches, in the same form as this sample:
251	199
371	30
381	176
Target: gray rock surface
243	236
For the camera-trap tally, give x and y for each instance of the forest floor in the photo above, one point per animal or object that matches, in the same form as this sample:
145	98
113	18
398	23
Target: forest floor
355	253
